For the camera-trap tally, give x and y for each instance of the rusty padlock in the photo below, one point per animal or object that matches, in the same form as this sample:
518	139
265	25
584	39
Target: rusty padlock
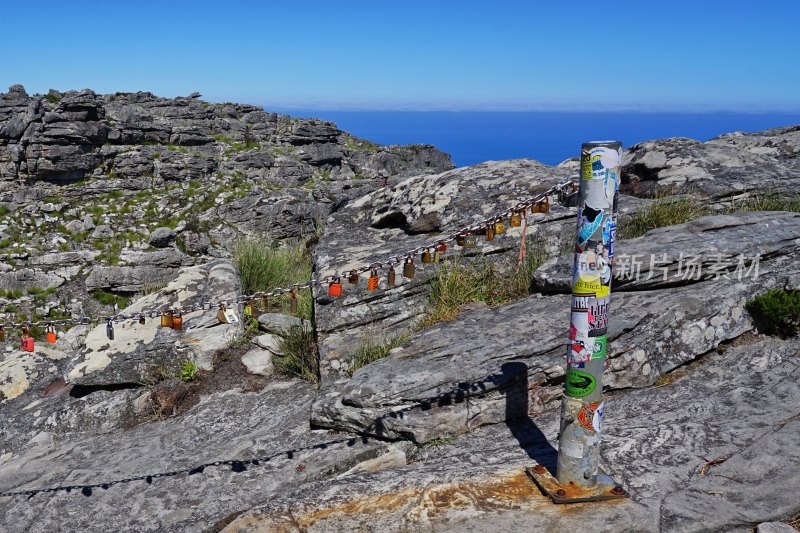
353	278
166	318
489	232
390	277
177	320
460	239
544	205
409	270
470	241
426	256
515	220
293	302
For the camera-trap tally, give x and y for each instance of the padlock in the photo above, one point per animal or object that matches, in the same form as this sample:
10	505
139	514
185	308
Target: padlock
166	318
515	220
248	309
221	314
499	227
390	277
471	241
353	278
177	321
372	282
50	333
408	268
535	207
110	329
426	256
335	287
293	302
437	256
2	334
264	302
489	232
25	340
141	320
460	238
544	205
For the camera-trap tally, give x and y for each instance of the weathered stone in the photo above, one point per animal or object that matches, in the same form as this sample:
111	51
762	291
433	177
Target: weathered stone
259	362
140	351
279	324
270	342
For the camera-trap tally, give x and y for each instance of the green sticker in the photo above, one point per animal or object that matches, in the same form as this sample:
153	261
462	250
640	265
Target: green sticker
579	383
600	344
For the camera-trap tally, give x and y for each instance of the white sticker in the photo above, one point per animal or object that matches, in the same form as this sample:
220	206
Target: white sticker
231	317
597	418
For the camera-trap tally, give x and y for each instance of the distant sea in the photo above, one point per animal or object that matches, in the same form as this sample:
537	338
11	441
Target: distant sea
473	137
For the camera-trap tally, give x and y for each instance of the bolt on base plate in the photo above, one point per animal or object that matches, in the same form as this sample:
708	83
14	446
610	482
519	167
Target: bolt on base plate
605	489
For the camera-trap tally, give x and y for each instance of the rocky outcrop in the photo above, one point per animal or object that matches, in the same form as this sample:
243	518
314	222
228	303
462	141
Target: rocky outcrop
724	167
453	377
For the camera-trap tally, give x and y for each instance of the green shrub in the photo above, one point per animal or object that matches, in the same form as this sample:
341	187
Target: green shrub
665	211
188	371
371	349
777	312
263	267
299	348
110	298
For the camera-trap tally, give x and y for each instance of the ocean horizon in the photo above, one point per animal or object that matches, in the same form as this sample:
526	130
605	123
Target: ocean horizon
471	137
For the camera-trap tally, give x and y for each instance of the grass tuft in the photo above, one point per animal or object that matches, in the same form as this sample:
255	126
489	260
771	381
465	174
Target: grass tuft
299	348
371	349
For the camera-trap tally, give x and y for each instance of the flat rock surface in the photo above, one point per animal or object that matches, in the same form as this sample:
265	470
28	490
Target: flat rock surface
181	474
715	450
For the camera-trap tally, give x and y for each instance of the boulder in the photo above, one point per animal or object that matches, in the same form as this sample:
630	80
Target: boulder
162	237
259	362
142	352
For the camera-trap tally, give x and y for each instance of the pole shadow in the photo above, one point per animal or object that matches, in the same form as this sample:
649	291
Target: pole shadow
530	437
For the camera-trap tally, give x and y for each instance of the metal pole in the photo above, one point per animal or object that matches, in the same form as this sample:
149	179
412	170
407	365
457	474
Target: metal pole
578	477
582	406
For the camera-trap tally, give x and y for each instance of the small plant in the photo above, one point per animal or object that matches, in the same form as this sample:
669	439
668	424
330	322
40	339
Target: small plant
664	211
188	371
370	349
110	298
299	349
777	312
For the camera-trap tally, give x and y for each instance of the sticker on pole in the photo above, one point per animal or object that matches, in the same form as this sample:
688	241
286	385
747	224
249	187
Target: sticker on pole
579	383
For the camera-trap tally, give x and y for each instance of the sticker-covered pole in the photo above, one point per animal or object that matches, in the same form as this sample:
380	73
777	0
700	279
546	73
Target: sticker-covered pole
582	402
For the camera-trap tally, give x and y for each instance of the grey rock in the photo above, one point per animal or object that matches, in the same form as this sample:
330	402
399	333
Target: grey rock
102	232
141	270
774	527
162	237
271	342
195	243
656	443
200	466
75	226
281	324
259	362
138	352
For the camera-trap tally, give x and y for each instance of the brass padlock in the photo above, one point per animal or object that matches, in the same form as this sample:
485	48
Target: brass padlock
372	282
408	268
50	333
426	256
515	220
293	302
141	319
390	277
470	241
489	232
499	227
25	340
166	318
335	287
535	207
177	321
110	329
460	238
353	279
544	205
221	315
264	302
2	334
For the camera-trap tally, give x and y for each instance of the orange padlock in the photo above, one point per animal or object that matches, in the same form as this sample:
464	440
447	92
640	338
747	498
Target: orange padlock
441	247
372	282
335	287
177	321
25	340
50	332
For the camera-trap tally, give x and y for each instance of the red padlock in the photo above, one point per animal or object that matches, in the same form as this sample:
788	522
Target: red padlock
25	340
335	287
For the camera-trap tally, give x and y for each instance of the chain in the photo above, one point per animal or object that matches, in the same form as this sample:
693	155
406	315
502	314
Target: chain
564	190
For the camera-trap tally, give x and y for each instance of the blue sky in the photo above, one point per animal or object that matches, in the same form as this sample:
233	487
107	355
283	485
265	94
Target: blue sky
434	54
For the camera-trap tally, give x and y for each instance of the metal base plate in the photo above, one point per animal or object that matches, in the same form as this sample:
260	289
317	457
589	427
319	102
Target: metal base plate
605	489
